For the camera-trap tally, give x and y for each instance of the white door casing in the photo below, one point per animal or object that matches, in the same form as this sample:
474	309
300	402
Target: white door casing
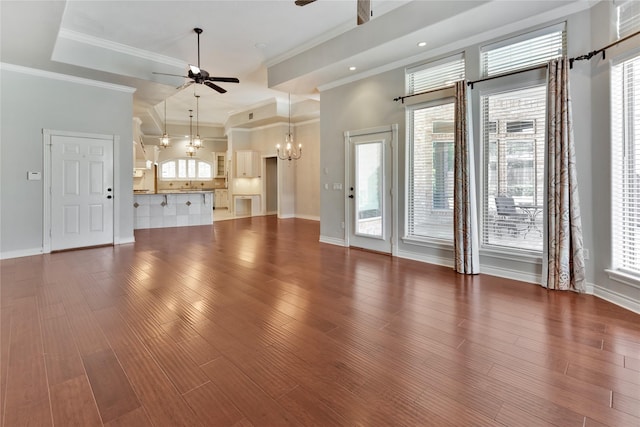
80	181
370	186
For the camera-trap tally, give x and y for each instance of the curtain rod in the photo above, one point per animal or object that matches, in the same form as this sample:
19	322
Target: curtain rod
586	56
510	73
401	98
593	53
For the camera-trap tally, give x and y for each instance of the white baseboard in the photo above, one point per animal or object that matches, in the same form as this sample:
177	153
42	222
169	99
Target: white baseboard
332	241
309	217
507	273
616	298
287	216
21	253
429	259
126	241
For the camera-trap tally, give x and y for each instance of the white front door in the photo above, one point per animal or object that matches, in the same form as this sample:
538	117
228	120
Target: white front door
81	192
369	188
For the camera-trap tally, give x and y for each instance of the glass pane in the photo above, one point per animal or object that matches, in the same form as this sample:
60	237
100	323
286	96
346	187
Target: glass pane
182	168
191	168
369	181
204	170
168	170
514	168
431	178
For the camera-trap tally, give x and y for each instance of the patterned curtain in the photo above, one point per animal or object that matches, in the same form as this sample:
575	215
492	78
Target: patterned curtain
465	222
564	257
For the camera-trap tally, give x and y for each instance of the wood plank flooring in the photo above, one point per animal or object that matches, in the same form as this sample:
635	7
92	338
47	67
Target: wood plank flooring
253	322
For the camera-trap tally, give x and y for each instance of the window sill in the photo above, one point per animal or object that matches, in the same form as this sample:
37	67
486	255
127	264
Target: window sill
623	277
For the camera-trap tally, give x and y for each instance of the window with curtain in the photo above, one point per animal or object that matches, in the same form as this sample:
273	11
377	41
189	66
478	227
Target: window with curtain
513	129
514	147
625	158
191	169
430	171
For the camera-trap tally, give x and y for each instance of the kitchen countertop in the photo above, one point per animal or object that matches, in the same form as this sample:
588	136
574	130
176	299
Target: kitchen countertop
142	192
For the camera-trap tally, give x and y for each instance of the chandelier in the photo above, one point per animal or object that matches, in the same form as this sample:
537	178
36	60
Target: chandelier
164	141
289	152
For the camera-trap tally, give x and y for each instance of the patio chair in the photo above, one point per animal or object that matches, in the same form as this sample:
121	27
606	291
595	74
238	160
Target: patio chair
509	218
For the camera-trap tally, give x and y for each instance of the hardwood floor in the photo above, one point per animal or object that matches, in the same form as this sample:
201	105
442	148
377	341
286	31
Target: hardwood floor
253	322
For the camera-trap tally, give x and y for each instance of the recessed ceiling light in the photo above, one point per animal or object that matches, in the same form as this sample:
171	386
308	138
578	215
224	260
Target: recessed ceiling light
352	68
422	44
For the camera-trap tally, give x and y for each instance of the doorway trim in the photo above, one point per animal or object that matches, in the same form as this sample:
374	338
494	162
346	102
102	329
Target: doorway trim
47	134
393	128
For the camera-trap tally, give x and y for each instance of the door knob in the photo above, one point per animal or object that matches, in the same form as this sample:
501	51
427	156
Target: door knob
109	196
108	189
351	196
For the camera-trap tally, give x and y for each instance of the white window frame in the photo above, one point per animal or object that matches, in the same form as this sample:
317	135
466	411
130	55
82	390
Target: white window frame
176	162
618	272
439	98
516	80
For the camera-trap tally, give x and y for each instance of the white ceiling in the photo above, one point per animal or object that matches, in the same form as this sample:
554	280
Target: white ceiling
272	46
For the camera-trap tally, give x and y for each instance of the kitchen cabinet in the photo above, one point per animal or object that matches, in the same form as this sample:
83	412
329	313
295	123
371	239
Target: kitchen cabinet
219	165
247	164
222	199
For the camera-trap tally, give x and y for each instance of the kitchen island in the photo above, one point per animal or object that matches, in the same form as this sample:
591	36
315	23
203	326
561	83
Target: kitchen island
172	208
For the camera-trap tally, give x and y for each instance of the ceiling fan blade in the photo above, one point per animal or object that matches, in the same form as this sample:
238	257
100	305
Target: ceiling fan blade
215	87
166	74
303	2
223	79
186	84
364	11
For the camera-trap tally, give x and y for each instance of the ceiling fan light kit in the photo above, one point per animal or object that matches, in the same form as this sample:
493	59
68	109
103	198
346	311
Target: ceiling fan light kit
200	76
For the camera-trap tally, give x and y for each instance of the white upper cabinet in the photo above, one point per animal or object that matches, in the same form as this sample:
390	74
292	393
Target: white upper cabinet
247	164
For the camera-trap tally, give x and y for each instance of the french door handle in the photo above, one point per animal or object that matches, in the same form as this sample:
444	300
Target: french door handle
109	196
351	196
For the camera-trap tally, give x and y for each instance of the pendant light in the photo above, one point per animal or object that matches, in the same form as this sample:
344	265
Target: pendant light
164	141
191	149
289	152
197	142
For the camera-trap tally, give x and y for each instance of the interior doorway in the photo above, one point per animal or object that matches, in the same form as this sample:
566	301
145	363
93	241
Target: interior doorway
271	185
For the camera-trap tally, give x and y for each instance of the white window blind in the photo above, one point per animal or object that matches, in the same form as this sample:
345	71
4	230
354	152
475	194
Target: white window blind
628	18
524	51
435	75
431	174
513	128
625	157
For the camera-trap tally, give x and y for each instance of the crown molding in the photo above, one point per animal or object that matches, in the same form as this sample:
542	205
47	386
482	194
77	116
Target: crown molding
120	48
65	77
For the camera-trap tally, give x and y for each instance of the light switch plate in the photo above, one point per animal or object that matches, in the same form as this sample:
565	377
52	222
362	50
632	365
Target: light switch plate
34	176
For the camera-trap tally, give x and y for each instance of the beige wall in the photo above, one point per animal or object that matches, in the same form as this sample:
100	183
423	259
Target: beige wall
307	190
300	198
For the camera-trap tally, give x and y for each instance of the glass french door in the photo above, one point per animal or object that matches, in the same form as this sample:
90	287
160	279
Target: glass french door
369	192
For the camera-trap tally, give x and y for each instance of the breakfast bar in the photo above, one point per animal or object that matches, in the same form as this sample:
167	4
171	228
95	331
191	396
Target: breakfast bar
172	208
